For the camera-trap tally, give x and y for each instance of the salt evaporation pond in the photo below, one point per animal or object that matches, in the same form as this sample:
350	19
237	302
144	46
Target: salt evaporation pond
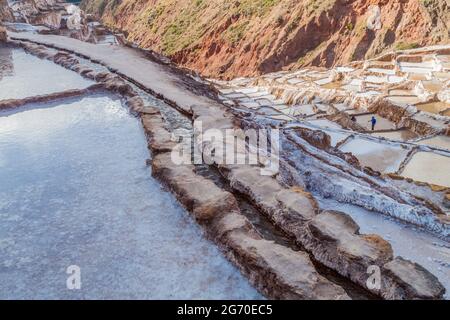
24	75
75	190
406	241
379	156
429	167
336	137
382	123
433	107
402	135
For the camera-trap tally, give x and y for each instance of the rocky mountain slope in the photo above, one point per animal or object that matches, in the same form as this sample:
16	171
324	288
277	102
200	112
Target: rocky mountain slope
5	12
225	39
37	12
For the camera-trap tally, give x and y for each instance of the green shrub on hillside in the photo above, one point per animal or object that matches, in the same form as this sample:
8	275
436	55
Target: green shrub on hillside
406	46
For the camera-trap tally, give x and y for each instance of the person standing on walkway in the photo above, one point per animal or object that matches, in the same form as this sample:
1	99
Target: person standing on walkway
373	121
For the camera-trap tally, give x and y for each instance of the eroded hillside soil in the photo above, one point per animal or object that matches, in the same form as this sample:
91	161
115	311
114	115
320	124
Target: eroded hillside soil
221	38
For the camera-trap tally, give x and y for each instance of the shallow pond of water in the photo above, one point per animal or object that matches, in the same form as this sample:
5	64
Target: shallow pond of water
404	100
24	75
401	135
75	190
433	107
336	137
325	123
406	241
442	142
433	85
24	27
300	110
401	92
379	156
429	167
417	77
419	67
333	85
382	123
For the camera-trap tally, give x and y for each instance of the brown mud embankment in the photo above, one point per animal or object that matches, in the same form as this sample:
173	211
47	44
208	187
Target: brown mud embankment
332	238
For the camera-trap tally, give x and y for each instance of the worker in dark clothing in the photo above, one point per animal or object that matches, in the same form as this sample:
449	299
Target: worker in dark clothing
373	121
353	118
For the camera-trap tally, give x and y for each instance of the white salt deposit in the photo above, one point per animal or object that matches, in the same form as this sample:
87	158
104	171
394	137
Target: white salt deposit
379	156
75	190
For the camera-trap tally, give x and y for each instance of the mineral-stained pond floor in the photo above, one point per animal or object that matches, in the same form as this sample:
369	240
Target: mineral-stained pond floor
382	123
429	167
24	75
406	241
442	142
404	100
336	137
433	107
379	156
401	135
75	190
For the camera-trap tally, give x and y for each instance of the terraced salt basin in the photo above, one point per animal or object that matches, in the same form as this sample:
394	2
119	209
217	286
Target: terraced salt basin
404	100
75	190
327	126
324	123
382	123
433	107
400	135
336	137
24	75
442	142
383	157
406	241
429	167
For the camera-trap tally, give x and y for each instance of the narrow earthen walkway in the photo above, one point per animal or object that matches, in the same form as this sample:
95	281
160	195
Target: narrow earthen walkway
126	61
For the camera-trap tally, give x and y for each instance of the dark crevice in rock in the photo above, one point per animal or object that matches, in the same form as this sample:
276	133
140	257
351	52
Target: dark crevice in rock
271	232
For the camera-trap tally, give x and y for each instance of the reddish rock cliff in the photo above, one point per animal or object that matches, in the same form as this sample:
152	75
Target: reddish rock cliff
226	39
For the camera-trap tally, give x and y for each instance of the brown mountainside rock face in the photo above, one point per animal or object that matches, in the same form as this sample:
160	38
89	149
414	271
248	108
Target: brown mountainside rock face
5	12
225	39
4	15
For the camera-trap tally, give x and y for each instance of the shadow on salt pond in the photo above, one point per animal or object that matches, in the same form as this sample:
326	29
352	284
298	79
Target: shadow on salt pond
74	190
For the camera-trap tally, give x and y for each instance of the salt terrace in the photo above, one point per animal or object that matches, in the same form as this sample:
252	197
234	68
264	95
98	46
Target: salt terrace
337	177
408	92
